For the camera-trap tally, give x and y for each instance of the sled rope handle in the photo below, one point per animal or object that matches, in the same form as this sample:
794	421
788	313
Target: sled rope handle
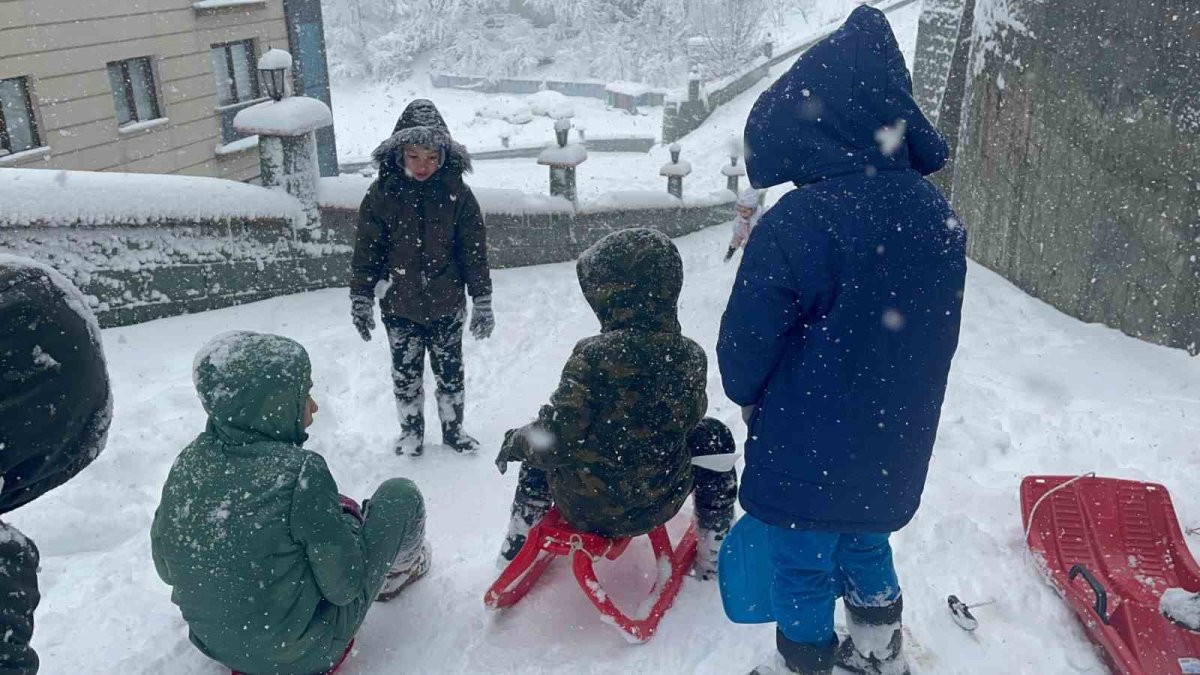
576	544
1033	511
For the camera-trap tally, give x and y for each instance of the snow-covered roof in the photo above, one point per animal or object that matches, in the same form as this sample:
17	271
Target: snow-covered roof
49	197
573	154
628	88
293	116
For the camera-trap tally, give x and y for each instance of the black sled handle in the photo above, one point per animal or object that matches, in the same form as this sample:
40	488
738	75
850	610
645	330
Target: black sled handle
1097	588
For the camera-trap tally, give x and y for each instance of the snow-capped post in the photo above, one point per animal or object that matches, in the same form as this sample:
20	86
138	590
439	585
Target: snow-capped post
287	146
768	48
582	131
675	170
694	84
734	170
562	159
505	137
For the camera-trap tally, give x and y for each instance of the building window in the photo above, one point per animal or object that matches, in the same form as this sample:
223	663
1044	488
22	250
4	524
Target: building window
234	68
18	127
134	94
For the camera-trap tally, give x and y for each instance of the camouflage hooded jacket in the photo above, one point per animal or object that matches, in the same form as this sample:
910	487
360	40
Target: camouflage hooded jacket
613	438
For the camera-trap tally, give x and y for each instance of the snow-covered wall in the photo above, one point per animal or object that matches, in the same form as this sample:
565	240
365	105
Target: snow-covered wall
1078	168
145	247
940	69
534	229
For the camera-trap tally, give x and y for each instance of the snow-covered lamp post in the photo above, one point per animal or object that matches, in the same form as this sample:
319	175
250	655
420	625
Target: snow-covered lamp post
287	146
734	170
563	158
675	170
582	131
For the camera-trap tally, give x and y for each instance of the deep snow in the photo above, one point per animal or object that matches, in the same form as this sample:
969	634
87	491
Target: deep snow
1031	391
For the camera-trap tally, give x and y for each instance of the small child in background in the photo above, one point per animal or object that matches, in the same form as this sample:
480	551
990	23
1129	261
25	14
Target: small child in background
748	212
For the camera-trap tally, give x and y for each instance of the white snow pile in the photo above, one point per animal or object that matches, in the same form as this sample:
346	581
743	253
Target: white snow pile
676	169
572	154
46	197
513	112
1181	606
275	59
550	103
995	21
293	116
630	200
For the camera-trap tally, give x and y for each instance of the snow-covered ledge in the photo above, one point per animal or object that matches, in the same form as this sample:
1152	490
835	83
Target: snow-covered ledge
33	154
136	127
203	5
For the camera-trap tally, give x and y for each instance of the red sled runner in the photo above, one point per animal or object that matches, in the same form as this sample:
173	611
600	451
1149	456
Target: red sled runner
1112	547
553	537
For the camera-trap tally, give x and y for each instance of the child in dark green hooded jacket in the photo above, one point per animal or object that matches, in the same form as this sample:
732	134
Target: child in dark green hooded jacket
270	572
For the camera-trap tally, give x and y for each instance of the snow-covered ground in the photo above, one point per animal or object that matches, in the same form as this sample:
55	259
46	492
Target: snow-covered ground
1031	391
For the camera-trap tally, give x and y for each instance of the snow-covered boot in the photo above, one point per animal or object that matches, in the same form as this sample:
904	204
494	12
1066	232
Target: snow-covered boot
409	567
459	440
530	505
450	409
875	645
1181	608
410	444
713	456
798	657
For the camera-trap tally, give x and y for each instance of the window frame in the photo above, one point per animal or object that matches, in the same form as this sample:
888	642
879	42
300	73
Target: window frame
128	94
35	132
231	72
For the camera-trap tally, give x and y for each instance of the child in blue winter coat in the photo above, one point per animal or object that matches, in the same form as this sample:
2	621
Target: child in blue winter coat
838	337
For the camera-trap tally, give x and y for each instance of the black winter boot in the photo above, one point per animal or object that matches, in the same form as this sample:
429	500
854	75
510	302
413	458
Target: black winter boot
712	444
530	505
799	657
875	645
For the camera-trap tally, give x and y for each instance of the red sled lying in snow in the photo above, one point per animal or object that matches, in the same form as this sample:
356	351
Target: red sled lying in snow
553	537
1112	547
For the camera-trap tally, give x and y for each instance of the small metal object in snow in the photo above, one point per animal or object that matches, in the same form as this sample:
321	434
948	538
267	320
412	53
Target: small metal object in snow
961	612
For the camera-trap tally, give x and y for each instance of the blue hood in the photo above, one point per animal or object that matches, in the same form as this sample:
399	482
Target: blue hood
845	107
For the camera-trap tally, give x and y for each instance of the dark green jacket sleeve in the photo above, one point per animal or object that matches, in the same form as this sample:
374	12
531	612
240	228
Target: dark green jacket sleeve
369	262
333	544
19	590
470	246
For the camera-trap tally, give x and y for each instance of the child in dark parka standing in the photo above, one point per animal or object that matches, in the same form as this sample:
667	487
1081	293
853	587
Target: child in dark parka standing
420	241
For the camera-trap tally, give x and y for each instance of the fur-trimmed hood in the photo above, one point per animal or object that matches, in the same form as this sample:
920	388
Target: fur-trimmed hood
421	124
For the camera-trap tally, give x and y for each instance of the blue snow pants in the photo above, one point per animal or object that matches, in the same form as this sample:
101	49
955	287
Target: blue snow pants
813	569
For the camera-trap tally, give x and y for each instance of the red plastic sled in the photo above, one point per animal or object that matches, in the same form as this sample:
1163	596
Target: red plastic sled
1111	547
334	669
553	537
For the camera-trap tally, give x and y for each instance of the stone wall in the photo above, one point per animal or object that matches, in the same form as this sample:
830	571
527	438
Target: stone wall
135	273
940	71
1078	167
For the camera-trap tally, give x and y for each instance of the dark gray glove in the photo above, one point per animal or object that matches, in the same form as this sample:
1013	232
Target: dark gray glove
362	310
729	253
483	321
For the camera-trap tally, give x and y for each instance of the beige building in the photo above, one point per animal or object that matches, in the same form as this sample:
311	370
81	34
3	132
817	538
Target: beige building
133	85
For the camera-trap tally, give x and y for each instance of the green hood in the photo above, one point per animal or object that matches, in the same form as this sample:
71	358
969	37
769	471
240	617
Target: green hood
254	387
632	279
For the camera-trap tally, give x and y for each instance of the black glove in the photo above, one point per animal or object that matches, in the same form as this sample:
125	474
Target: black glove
511	450
483	321
729	253
362	310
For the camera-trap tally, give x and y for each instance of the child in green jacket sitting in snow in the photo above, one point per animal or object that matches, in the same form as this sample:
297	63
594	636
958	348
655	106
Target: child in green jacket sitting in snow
271	573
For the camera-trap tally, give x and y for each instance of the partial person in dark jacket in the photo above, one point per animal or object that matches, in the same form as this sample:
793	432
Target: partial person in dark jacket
838	338
615	447
421	240
55	408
